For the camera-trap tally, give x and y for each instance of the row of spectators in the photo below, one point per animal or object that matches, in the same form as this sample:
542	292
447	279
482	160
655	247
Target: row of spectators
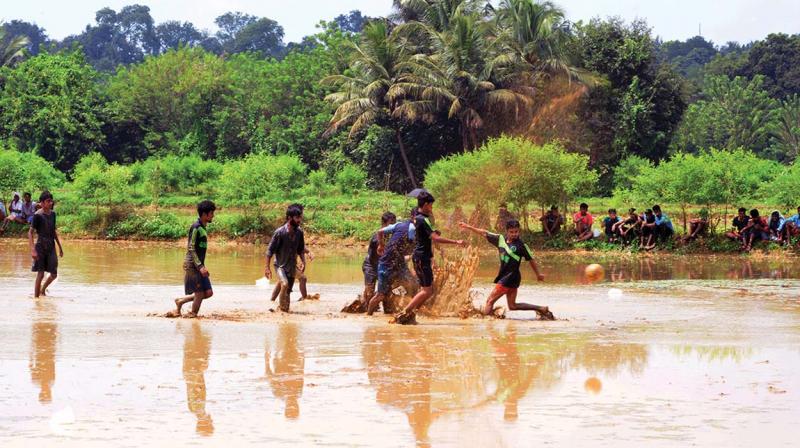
20	210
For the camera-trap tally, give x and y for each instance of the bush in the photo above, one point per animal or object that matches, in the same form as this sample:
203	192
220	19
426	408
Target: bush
26	171
100	183
351	179
258	175
512	170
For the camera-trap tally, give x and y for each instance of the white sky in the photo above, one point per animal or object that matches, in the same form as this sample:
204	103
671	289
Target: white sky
738	20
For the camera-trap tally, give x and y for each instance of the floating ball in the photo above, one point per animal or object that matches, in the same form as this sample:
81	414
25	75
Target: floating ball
595	272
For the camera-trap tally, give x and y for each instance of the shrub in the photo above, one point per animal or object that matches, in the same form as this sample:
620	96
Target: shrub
351	179
258	175
26	171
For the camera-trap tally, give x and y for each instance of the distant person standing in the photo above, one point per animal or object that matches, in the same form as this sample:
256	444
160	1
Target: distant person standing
286	245
197	282
44	251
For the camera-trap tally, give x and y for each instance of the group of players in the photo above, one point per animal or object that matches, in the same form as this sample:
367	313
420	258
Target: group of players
385	265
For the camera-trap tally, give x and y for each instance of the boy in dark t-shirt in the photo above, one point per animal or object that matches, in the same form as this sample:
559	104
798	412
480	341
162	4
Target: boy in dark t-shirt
609	226
43	252
740	221
286	245
422	257
512	252
196	280
370	265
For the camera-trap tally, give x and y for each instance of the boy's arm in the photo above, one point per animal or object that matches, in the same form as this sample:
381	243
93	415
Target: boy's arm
436	238
465	226
58	242
271	249
301	251
30	243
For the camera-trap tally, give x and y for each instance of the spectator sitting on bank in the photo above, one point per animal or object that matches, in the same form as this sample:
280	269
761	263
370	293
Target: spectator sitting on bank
791	227
503	216
14	212
626	228
583	224
739	223
610	226
698	226
757	229
552	222
664	229
775	225
3	211
648	233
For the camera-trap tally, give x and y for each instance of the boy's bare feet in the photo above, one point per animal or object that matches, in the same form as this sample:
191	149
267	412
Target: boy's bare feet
172	314
178	306
405	318
545	314
190	315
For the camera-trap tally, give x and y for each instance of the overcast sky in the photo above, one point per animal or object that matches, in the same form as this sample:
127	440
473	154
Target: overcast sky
737	20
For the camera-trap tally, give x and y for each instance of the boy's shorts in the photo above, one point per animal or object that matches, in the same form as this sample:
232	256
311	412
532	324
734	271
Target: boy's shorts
424	271
384	278
46	261
499	288
195	282
370	274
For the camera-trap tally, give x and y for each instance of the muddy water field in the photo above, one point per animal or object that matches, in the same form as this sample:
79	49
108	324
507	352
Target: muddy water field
667	351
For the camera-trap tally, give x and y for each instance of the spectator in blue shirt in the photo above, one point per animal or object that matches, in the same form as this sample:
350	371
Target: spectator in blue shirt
664	229
790	227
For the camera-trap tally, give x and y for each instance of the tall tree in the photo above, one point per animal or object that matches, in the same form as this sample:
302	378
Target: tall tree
230	24
353	22
363	94
12	48
173	34
264	36
455	78
786	129
36	35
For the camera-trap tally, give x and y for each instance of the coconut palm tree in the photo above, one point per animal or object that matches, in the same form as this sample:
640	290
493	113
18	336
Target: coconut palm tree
532	39
786	130
362	97
11	49
455	77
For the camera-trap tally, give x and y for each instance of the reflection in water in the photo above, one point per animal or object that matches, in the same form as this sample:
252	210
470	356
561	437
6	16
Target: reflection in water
713	352
285	368
593	385
196	349
428	372
514	376
44	337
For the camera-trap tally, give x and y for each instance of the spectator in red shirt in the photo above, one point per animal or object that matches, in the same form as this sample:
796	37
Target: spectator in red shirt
583	224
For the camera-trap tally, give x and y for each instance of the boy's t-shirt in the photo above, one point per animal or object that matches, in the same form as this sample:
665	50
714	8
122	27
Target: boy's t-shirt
586	219
424	231
400	244
609	222
509	275
196	246
740	223
45	226
286	246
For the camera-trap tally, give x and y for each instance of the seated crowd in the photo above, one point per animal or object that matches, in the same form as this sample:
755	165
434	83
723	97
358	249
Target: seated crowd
19	211
654	226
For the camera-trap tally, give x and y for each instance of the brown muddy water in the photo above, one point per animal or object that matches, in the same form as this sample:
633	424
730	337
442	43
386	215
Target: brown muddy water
668	351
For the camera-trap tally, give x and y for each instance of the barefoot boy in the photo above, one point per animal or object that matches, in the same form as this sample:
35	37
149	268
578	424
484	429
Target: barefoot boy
44	252
392	266
196	283
286	245
370	265
423	257
512	251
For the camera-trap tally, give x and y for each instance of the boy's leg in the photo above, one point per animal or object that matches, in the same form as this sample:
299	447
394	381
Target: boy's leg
38	284
50	278
303	290
511	298
424	270
197	300
494	296
276	291
202	293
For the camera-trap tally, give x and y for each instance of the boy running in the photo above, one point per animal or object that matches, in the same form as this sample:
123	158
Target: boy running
370	265
197	282
286	245
43	252
423	257
392	264
512	252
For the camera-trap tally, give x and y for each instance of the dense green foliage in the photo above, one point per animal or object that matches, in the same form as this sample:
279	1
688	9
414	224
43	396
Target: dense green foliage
512	170
538	109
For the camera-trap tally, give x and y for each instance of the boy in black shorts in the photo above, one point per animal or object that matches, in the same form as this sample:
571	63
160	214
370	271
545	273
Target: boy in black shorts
197	282
512	251
422	258
44	251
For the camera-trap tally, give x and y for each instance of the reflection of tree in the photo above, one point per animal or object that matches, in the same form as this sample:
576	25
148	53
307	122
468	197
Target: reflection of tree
288	366
713	352
196	349
427	372
44	336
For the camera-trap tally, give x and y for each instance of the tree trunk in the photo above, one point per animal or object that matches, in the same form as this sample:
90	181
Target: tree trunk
405	158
